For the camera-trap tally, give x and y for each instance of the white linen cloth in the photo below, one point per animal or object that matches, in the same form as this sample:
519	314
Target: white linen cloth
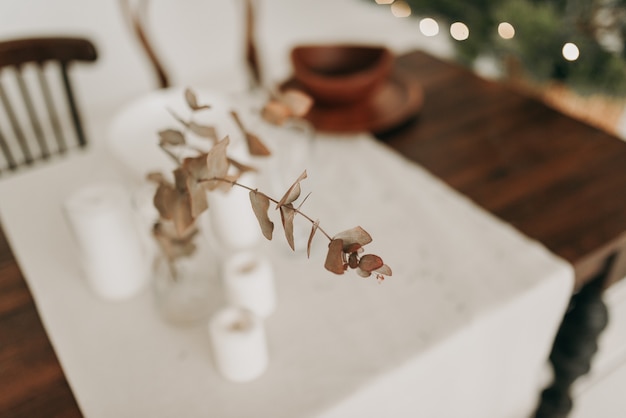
462	329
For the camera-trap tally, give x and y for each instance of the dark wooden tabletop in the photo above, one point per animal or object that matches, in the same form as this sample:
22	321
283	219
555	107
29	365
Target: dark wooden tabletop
555	179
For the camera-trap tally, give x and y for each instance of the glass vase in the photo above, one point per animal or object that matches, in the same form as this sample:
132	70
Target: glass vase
187	289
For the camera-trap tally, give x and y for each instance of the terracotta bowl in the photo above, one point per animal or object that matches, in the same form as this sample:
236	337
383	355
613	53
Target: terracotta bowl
341	74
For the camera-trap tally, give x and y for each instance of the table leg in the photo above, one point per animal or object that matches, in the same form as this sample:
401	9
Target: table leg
574	346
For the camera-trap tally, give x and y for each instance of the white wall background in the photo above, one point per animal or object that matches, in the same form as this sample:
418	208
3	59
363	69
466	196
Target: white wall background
200	41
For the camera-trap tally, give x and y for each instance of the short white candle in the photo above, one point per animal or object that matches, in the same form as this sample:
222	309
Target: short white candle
239	344
249	282
112	256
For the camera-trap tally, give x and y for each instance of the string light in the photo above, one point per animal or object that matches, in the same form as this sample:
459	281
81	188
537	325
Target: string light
506	30
459	31
429	26
400	9
570	52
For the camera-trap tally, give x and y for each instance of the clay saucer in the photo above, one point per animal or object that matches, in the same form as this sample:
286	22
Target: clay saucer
394	103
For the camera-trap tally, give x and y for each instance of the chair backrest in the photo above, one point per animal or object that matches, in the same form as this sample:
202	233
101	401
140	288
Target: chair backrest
39	115
136	13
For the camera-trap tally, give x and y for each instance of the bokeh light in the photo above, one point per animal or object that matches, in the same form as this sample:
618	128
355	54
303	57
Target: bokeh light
459	31
506	30
401	9
384	1
570	52
429	26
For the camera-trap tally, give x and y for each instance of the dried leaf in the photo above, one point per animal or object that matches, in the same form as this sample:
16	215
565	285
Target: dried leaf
256	146
353	260
298	102
275	112
195	170
334	258
370	262
352	248
192	100
180	179
171	137
155	177
181	214
384	269
316	225
196	167
363	273
217	163
199	202
174	205
350	237
168	229
293	192
172	247
204	131
243	168
164	199
260	206
287	213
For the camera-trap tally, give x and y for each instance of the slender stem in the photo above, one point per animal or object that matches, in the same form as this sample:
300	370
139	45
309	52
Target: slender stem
170	154
243	186
238	122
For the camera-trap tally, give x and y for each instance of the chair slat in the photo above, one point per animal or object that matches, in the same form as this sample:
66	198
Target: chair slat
82	141
6	151
32	115
17	129
51	108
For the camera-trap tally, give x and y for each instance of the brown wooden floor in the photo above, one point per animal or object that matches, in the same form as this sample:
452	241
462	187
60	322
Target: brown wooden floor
32	383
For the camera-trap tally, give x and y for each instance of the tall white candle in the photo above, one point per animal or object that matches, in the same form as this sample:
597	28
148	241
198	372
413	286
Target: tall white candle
249	282
239	344
232	218
113	259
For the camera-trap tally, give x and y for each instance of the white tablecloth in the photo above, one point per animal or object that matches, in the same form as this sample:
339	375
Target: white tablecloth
462	329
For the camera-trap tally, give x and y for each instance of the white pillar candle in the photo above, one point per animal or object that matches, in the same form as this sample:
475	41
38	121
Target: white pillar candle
249	282
239	344
112	257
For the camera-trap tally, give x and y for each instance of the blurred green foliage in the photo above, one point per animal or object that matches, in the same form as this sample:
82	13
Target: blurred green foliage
542	27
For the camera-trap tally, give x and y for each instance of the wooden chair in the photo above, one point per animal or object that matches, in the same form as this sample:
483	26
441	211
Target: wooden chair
39	116
136	13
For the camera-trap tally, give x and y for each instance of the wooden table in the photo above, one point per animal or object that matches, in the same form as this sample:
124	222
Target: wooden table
555	179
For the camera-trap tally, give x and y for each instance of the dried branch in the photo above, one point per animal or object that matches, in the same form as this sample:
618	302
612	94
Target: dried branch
180	204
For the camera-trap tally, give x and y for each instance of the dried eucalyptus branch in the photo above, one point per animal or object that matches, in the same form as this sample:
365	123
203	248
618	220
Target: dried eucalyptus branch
344	248
180	203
